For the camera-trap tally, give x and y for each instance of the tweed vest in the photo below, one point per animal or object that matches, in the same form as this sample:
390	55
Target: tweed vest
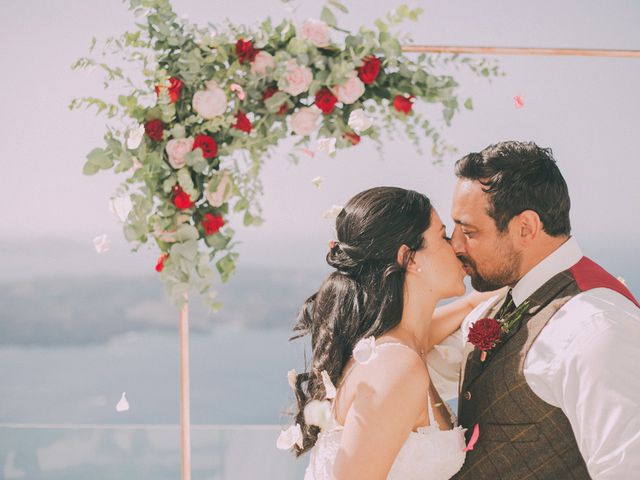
522	436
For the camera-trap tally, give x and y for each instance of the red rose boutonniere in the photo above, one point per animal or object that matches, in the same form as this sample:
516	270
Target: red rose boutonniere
486	333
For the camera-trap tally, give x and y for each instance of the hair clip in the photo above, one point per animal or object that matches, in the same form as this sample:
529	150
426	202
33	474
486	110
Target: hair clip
332	244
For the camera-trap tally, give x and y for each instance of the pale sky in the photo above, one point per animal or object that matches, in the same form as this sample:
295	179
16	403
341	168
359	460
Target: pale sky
586	109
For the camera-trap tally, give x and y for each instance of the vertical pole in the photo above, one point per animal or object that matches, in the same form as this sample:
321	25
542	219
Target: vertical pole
185	411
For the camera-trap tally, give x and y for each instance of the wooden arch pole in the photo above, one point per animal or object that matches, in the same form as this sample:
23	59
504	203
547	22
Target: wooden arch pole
185	409
573	52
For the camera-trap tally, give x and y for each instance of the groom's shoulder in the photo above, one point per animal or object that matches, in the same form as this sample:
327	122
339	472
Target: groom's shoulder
603	303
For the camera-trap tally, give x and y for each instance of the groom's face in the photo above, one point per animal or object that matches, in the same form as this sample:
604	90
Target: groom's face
489	257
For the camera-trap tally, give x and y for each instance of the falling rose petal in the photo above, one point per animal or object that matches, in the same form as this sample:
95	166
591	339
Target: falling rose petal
333	212
519	101
102	243
290	437
317	181
122	405
306	151
473	439
318	413
329	387
291	378
238	90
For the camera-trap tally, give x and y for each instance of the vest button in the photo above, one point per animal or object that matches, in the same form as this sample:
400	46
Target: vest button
467	395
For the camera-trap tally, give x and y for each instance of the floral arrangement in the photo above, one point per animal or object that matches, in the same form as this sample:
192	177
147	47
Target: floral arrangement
207	106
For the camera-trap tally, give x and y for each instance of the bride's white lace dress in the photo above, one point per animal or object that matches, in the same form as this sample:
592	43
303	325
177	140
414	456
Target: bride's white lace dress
428	454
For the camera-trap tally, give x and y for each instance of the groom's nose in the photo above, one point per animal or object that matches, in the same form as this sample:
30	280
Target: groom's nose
457	240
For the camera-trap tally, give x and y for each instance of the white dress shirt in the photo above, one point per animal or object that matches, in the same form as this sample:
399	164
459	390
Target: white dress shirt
585	361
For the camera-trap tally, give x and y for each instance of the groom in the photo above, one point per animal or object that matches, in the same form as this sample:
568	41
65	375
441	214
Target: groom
558	395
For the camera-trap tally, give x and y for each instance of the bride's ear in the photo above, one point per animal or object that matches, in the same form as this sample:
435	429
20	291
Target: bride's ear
403	255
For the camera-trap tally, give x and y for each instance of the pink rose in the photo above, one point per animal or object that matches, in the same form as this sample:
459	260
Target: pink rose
218	197
316	31
264	61
177	148
349	91
296	79
210	103
303	122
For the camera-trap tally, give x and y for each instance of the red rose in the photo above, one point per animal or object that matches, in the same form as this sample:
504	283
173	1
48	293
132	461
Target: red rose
353	137
403	104
485	333
325	100
207	144
369	69
174	89
212	223
242	122
154	130
161	260
181	199
245	51
270	92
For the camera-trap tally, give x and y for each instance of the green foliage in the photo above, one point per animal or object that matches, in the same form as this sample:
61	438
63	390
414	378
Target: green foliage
163	48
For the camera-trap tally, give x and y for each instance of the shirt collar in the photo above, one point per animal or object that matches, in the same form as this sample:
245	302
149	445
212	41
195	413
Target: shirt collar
561	259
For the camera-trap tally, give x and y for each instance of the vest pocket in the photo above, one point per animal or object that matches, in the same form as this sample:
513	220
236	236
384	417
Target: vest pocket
510	432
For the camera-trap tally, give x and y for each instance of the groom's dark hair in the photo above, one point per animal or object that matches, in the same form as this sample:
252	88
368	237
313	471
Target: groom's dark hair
520	176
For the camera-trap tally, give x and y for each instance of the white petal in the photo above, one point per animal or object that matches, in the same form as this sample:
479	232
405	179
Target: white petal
450	355
333	212
291	377
317	181
134	137
290	437
121	206
329	387
122	405
102	243
365	350
359	121
327	145
318	413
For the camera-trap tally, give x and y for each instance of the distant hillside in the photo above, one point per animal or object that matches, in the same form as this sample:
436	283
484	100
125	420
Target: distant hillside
58	310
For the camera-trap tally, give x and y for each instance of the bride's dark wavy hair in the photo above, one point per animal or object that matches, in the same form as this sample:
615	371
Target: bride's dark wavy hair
364	296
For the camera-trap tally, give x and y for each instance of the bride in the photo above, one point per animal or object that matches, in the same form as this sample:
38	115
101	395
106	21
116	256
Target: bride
371	322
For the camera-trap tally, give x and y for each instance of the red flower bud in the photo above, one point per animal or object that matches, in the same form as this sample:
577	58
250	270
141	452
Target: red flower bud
353	137
161	260
154	130
242	122
403	104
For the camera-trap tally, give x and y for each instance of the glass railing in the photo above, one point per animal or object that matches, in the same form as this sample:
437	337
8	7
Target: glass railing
143	452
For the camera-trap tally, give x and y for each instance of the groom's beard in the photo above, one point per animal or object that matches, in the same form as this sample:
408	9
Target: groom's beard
494	276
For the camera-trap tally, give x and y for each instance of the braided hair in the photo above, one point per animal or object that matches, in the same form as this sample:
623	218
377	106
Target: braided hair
364	295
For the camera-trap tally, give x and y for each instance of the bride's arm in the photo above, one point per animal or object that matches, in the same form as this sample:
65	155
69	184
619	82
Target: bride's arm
447	318
387	404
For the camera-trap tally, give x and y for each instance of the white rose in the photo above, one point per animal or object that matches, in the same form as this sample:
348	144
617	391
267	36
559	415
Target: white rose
218	197
327	145
349	91
317	413
177	148
297	78
290	437
303	122
210	103
316	31
359	121
262	63
134	137
329	387
365	350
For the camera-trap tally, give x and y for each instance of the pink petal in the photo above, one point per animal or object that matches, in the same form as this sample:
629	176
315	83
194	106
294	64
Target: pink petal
473	439
238	90
519	101
307	152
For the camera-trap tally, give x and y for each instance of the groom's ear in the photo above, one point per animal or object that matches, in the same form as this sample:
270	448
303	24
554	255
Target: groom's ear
528	226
